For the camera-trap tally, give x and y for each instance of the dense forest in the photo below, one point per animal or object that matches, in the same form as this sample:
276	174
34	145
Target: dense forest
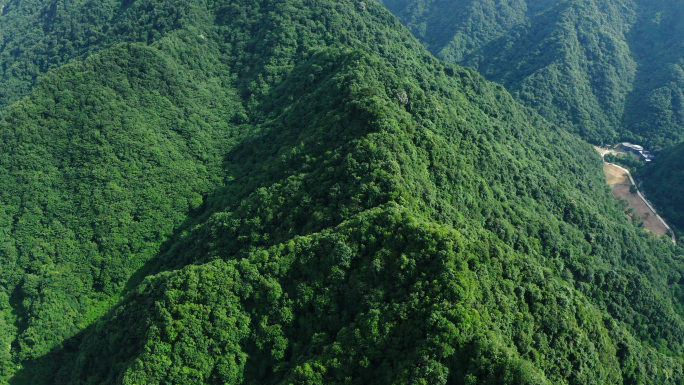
663	181
608	70
298	192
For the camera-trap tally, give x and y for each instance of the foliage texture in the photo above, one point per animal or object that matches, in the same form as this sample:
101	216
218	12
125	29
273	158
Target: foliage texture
297	192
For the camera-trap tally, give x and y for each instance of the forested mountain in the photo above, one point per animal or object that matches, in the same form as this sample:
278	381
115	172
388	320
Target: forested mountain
663	182
297	192
38	35
608	70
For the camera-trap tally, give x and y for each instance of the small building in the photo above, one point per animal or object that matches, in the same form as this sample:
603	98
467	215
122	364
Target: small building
632	147
646	156
638	151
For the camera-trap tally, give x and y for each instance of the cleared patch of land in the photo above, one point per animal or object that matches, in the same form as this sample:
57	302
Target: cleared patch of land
617	178
614	175
604	151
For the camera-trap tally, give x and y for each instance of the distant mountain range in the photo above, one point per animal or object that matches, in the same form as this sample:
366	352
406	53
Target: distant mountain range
608	70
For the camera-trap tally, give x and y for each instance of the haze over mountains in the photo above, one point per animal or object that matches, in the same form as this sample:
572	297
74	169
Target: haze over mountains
608	70
298	192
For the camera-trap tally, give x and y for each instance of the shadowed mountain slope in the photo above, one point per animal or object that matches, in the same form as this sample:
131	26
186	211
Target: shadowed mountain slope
663	182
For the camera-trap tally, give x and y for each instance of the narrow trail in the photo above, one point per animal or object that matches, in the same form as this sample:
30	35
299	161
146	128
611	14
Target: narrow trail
643	198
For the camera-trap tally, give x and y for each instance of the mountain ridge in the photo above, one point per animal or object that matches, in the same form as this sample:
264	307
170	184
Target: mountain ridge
368	214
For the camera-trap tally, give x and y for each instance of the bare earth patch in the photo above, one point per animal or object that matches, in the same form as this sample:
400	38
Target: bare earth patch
614	175
618	179
604	151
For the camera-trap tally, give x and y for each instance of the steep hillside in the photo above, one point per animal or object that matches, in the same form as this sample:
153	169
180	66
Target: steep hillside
608	70
39	35
96	174
663	182
298	192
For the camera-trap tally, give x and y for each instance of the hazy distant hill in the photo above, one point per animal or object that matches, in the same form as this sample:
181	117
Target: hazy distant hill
230	192
606	69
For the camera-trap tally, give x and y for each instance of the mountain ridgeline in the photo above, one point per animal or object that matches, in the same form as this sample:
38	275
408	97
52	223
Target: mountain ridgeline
608	70
297	192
